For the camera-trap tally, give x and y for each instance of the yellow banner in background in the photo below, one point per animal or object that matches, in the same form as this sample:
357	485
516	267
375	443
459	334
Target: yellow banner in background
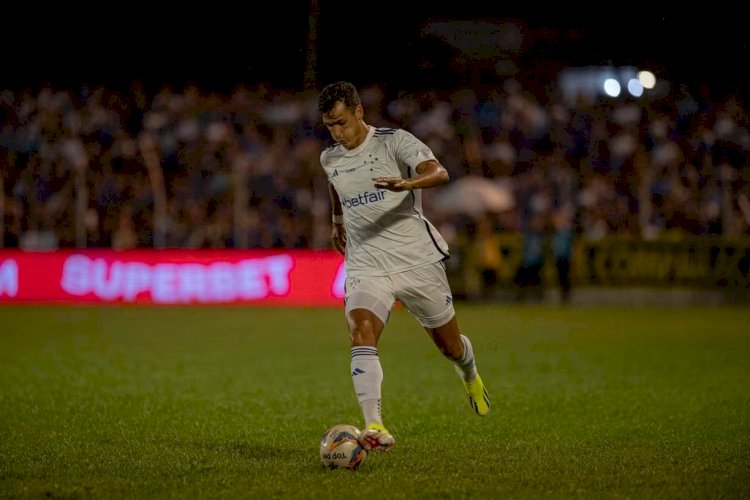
703	262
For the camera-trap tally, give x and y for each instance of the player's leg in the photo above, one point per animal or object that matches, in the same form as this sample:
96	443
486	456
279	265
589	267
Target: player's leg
458	348
426	293
368	305
367	374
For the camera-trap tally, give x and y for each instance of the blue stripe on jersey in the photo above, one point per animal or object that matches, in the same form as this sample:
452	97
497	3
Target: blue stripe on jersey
384	131
432	237
426	225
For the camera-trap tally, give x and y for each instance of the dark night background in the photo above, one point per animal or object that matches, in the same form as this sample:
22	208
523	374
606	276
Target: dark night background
220	45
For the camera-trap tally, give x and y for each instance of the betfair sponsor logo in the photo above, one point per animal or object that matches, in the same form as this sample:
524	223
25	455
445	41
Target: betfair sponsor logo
365	198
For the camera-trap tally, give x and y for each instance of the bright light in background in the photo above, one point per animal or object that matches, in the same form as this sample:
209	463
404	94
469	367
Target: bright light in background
635	87
611	87
593	82
647	79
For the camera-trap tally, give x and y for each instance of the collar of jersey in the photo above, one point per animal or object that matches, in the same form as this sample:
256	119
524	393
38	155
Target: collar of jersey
356	151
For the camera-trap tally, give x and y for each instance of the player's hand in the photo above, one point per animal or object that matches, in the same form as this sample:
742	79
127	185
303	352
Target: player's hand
392	183
338	237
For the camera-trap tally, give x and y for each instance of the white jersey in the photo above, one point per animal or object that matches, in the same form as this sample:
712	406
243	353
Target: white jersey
386	232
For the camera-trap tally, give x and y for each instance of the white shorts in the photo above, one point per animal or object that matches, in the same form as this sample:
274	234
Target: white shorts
424	291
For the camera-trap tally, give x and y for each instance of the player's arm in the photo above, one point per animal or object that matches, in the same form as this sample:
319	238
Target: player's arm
430	173
338	233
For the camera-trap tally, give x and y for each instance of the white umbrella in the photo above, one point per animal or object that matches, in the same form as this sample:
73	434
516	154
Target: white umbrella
473	195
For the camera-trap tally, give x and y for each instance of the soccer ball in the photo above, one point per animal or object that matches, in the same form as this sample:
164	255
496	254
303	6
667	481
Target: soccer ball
339	448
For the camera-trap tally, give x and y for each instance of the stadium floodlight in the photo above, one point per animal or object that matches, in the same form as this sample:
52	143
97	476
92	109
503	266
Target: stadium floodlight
647	79
612	87
594	82
635	87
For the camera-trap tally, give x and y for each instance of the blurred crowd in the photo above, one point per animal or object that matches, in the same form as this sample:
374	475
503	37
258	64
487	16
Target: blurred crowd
185	167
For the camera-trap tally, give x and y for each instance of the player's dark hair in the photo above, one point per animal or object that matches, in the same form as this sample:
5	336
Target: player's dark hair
335	92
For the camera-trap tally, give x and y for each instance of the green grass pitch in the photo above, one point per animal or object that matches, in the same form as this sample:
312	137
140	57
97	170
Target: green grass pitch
231	402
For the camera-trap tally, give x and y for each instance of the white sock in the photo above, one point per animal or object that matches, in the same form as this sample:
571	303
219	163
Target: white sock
466	367
367	376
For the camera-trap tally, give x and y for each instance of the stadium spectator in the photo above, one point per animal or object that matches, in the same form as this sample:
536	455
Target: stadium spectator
670	166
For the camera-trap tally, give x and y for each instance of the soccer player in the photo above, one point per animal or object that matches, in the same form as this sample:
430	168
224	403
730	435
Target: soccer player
392	252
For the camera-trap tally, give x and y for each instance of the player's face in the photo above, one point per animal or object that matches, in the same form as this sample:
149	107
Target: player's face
346	125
